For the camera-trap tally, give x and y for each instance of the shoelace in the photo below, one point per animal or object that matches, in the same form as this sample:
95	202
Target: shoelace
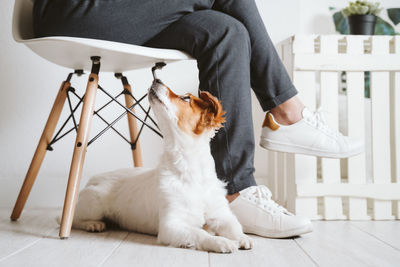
318	120
261	196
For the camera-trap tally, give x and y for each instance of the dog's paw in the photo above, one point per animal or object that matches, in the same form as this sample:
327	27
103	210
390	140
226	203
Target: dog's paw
221	244
95	226
246	242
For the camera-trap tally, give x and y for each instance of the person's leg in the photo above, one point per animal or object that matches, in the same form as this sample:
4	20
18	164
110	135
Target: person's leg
277	94
221	45
133	21
269	79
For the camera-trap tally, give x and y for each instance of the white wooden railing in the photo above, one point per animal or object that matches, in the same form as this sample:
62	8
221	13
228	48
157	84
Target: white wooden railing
363	187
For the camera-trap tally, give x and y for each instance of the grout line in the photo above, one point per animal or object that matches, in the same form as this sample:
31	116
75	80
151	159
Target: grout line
29	245
209	259
305	252
114	249
368	233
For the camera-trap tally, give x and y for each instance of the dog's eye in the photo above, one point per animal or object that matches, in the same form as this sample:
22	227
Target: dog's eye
185	98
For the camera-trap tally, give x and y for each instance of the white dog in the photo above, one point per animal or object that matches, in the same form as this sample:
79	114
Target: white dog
182	200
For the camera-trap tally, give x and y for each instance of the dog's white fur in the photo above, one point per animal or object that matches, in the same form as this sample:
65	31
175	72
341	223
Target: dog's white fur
181	200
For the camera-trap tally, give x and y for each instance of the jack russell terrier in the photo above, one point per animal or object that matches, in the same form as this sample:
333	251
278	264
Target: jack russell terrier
182	200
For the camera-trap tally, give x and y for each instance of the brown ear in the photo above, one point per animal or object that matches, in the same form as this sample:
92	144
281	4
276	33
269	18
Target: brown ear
215	112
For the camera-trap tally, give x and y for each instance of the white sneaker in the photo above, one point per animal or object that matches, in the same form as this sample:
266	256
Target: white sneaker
311	136
260	215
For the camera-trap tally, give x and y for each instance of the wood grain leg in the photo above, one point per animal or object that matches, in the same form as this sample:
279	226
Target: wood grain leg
78	156
133	129
40	150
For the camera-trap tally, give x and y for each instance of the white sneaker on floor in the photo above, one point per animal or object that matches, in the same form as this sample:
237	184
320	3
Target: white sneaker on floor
260	215
311	136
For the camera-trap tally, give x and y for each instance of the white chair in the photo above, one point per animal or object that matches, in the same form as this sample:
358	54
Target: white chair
81	54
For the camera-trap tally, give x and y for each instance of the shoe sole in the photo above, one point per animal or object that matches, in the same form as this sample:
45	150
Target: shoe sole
290	233
282	147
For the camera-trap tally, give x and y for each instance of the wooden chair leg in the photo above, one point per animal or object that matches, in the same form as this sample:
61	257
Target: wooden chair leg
40	150
79	153
133	129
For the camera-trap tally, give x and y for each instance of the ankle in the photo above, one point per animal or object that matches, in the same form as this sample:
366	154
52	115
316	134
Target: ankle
286	117
232	197
289	112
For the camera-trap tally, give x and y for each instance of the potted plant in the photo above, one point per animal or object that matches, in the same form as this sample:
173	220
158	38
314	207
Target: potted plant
361	16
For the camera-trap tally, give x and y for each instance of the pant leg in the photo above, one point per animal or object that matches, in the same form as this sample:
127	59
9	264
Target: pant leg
221	45
126	21
269	79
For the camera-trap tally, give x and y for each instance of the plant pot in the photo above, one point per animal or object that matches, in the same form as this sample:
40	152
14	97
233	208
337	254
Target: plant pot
362	24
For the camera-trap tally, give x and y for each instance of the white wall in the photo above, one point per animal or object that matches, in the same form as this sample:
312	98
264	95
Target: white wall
29	85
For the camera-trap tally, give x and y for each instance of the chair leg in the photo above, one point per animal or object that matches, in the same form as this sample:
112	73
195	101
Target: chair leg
133	129
40	150
78	157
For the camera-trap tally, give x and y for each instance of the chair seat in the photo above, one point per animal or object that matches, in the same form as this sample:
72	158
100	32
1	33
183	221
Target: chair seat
75	53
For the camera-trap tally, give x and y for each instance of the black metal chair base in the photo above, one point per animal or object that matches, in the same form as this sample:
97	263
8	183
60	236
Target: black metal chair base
71	92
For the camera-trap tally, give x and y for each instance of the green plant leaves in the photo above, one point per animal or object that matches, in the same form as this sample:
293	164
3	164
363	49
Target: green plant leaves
394	15
383	28
340	21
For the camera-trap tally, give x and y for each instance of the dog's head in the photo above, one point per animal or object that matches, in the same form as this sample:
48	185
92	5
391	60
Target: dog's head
188	114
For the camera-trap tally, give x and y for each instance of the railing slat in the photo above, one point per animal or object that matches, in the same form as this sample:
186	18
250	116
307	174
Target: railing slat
280	197
380	120
330	168
395	96
272	173
304	167
384	192
343	62
356	128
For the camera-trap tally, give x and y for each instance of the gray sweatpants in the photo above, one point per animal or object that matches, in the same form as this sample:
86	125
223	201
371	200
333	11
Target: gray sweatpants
227	37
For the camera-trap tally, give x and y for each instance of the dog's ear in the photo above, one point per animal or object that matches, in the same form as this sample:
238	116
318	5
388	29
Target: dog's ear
214	117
